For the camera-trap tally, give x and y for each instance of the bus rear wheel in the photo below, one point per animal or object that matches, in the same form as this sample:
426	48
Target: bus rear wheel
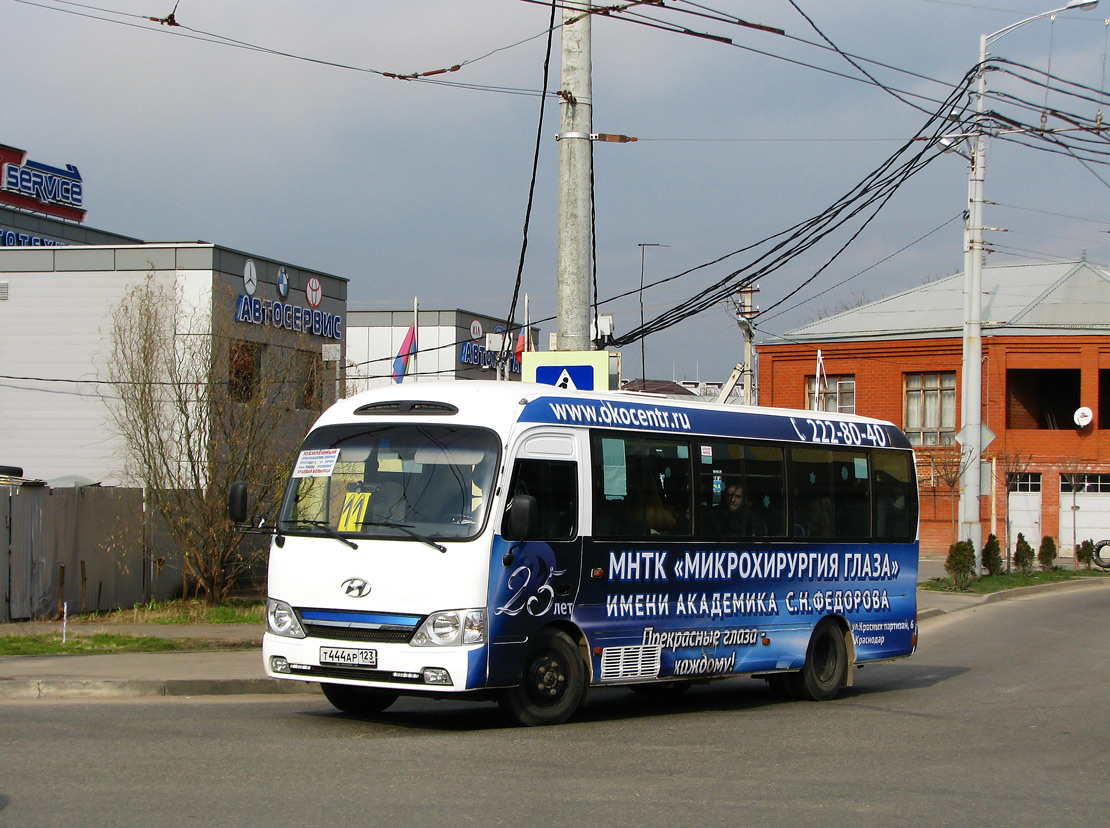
358	701
552	684
826	666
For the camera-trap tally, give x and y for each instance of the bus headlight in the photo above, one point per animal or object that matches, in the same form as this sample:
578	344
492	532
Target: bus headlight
452	627
281	620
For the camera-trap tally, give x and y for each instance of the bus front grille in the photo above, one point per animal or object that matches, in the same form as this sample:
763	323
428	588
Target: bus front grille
637	662
352	633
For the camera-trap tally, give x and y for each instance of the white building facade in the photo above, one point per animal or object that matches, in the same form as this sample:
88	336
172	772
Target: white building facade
56	306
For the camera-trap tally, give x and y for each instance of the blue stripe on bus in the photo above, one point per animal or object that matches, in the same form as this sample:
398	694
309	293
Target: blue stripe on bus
803	427
361	617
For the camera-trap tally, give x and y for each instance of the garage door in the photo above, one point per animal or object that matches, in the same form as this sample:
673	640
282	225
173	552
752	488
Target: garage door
1090	517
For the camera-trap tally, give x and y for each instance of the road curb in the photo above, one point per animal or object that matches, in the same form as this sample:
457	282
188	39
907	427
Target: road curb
140	688
974	601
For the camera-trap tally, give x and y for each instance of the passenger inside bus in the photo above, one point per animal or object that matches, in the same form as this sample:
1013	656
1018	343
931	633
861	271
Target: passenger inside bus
735	516
815	518
668	508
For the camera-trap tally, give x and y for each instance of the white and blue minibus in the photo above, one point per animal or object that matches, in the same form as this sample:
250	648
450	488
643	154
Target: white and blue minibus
525	543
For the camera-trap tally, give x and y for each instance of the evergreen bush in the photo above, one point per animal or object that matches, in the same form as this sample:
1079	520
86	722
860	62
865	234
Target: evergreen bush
992	556
960	563
1085	553
1046	555
1023	555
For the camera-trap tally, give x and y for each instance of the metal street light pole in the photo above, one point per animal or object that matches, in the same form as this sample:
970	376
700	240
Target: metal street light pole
971	526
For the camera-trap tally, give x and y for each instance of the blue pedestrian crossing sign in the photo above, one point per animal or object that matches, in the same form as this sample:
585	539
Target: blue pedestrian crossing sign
570	370
570	377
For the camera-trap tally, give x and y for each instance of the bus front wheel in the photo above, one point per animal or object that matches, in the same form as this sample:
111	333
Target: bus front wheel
358	701
552	683
826	666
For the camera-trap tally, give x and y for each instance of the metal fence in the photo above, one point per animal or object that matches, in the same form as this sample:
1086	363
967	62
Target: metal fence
91	548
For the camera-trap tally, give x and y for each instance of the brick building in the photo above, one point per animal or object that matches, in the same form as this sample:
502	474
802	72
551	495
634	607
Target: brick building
1046	393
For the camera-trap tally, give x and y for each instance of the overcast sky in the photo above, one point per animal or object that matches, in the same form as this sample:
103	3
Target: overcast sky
420	189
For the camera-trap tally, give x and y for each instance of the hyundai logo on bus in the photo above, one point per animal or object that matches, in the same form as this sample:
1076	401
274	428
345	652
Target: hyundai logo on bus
356	587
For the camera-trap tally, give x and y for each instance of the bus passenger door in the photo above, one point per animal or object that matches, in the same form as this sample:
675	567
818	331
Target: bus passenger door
534	580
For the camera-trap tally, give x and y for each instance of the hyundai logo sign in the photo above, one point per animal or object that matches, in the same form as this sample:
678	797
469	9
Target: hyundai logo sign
356	587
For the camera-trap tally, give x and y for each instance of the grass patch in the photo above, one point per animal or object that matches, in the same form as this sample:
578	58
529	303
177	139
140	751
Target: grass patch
1014	580
20	645
184	611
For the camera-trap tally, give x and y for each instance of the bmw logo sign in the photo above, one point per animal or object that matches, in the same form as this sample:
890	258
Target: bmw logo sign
283	283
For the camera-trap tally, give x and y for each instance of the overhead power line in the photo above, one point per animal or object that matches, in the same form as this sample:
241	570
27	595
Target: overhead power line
861	203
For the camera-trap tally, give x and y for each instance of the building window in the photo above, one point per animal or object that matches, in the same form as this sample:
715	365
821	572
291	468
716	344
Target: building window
1024	482
244	366
1043	399
930	418
837	393
1082	482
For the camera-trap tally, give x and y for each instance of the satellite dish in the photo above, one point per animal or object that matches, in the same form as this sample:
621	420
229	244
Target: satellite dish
1083	417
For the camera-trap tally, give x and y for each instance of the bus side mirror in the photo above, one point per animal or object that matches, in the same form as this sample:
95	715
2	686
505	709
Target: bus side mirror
237	502
523	518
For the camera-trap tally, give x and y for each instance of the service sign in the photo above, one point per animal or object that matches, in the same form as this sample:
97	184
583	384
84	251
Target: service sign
32	185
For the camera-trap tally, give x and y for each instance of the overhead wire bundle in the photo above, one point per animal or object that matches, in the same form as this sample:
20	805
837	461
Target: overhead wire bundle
864	199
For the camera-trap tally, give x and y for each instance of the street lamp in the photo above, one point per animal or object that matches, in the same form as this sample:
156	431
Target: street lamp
643	363
971	432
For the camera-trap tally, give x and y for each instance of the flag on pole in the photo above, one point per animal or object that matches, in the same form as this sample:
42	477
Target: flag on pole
408	349
523	343
820	383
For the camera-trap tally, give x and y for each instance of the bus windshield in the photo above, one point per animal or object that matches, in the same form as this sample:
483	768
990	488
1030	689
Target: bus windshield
405	482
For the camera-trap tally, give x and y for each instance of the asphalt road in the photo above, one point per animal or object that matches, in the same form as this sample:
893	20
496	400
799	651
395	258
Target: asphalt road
1001	718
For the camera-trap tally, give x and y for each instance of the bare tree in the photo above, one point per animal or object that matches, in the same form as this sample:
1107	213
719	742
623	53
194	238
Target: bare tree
856	300
1074	471
1009	467
198	409
948	463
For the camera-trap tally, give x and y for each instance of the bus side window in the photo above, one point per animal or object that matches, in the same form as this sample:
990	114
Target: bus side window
831	491
642	488
554	484
741	491
893	482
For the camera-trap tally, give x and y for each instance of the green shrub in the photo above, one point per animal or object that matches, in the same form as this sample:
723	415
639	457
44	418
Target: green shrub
960	563
1085	553
1023	555
992	556
1046	555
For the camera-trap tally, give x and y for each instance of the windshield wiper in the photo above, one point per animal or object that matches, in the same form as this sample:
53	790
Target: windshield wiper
407	529
329	530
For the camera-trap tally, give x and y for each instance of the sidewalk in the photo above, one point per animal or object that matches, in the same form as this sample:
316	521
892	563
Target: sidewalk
238	672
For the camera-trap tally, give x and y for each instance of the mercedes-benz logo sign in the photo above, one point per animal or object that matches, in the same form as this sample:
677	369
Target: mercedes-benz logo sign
356	587
250	277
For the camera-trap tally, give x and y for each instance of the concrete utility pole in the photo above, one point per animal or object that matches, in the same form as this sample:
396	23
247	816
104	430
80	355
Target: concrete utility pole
575	167
971	432
744	316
